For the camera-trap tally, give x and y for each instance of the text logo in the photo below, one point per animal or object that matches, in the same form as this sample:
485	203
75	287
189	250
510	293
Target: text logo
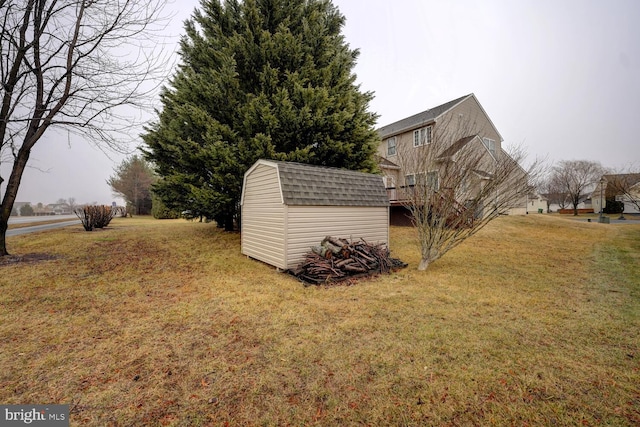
36	415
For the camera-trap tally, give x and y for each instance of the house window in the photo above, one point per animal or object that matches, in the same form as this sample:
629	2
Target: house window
410	180
432	180
429	179
491	145
391	146
389	182
422	136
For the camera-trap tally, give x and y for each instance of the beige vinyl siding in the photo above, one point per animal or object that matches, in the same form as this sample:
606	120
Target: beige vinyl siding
465	119
308	225
263	217
474	121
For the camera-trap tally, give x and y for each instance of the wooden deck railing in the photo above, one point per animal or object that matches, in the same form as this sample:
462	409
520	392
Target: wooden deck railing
458	215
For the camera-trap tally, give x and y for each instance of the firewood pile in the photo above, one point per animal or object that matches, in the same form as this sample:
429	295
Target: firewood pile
336	260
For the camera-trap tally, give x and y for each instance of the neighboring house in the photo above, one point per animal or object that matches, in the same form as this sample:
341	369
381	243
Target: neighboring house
59	209
536	203
585	203
634	194
289	207
52	209
620	187
450	128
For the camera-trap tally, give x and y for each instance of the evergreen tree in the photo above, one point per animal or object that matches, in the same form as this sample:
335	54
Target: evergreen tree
258	79
160	211
26	210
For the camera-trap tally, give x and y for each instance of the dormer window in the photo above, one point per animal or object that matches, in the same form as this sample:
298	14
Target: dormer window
491	145
391	146
422	136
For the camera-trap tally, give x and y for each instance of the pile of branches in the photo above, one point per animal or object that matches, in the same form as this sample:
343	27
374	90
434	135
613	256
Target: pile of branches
94	216
336	259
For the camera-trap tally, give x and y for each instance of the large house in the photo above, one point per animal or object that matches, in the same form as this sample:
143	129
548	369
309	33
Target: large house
422	149
622	188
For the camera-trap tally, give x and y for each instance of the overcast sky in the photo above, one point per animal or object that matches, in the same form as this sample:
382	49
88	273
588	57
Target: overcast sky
561	77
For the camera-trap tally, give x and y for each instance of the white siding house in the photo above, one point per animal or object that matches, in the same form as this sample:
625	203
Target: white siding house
289	207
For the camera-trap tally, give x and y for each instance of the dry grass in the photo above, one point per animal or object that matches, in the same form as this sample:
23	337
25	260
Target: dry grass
535	321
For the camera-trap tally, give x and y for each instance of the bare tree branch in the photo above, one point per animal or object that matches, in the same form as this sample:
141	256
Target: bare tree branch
83	66
623	187
577	178
457	183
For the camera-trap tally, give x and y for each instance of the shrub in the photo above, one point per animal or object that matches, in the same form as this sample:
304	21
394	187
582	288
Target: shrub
94	216
613	207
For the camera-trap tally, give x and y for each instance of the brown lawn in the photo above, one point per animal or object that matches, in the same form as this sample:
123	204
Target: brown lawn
534	321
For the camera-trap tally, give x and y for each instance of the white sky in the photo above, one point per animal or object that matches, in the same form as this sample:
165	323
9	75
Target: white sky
561	77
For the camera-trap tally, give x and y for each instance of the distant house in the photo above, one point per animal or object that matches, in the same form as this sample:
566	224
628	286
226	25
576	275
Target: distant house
17	206
624	188
463	123
289	207
536	203
59	208
553	204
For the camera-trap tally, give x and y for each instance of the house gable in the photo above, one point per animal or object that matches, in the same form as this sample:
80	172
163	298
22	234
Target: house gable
417	120
431	116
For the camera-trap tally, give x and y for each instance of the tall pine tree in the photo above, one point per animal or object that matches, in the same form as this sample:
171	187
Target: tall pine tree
257	79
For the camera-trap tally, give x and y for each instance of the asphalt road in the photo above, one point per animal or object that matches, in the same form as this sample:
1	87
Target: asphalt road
28	219
41	227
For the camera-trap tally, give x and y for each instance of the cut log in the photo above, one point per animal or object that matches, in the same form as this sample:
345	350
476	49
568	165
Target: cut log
344	262
336	260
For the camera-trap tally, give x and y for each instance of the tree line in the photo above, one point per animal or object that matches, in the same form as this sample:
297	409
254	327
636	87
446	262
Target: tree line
570	182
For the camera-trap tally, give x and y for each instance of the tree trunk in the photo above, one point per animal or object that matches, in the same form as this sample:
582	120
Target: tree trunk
424	263
10	195
4	224
228	222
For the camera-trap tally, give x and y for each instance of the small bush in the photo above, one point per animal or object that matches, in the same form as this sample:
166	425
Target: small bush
94	216
613	207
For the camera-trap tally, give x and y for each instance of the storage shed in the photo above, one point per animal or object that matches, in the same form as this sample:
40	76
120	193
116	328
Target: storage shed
289	207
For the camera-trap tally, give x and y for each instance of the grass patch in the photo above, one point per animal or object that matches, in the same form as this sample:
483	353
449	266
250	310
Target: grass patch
534	321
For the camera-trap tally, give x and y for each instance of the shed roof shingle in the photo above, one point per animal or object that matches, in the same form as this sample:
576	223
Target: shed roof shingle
311	185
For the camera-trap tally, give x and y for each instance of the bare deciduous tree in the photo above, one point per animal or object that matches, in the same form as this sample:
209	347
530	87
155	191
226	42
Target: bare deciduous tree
73	64
554	192
461	183
577	179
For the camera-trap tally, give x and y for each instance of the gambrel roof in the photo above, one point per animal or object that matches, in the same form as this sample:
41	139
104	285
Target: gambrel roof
310	185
